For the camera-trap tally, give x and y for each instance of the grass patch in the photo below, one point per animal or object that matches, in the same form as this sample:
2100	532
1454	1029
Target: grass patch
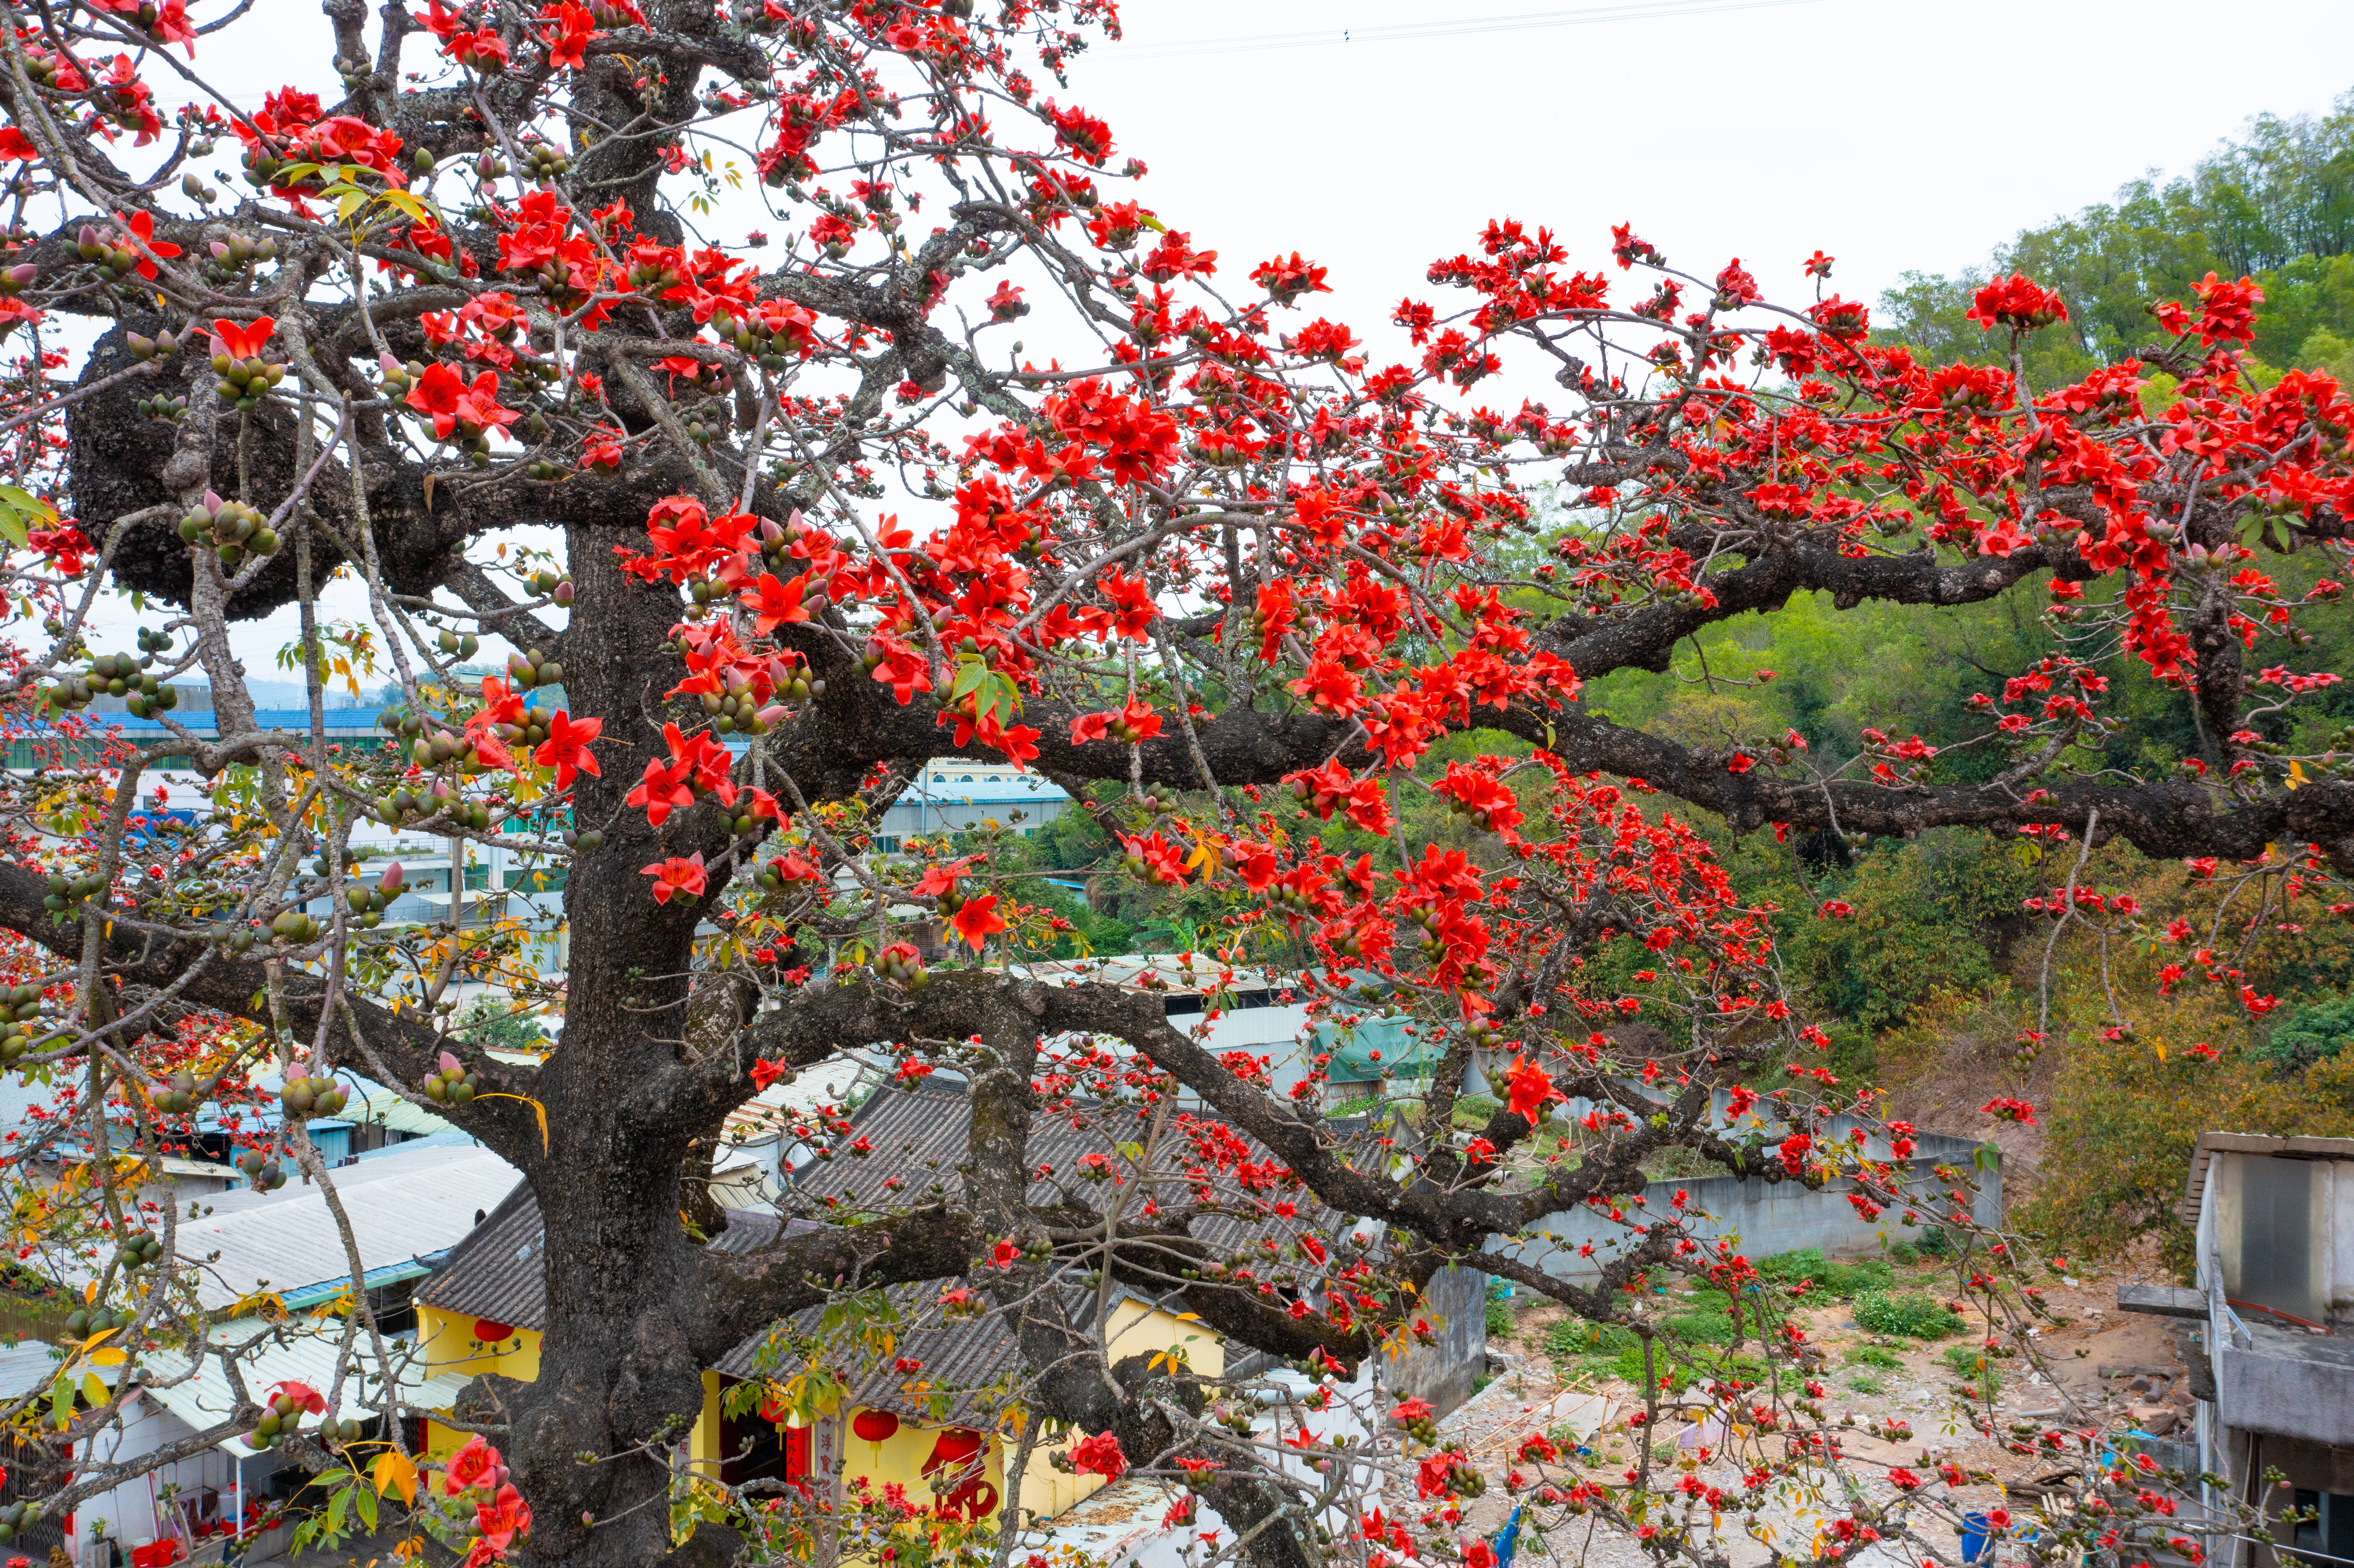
1473	1112
1875	1356
1909	1313
1692	1347
1864	1384
1841	1280
1705	1327
1678	1162
1972	1365
1577	1338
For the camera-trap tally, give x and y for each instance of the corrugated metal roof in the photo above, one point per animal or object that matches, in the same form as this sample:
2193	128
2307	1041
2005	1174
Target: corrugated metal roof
496	1273
968	1363
402	1207
26	1367
298	1352
388	1110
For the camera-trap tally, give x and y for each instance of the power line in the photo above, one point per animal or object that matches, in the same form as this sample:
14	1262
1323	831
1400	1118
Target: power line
1406	32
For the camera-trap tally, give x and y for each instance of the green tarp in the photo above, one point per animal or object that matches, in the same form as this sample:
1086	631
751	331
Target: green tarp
1354	1050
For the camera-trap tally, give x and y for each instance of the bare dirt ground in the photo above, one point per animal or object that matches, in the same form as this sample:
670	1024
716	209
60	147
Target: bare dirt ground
2100	1367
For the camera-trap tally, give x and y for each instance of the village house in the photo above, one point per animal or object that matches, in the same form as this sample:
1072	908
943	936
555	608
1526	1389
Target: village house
940	1415
2268	1332
273	1279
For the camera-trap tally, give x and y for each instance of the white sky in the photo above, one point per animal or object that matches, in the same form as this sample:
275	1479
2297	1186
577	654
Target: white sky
1892	135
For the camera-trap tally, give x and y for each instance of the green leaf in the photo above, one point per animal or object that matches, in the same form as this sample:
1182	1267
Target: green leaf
21	512
366	1506
997	692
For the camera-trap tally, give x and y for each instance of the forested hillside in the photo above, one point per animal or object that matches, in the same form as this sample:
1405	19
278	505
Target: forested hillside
2277	206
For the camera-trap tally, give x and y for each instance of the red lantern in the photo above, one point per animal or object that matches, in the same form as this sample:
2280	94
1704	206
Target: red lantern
874	1426
492	1332
774	1411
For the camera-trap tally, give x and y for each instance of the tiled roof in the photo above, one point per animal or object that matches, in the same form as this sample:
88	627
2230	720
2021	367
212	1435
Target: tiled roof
496	1272
918	1137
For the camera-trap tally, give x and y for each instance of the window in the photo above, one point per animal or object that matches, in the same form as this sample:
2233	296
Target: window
477	876
2325	1528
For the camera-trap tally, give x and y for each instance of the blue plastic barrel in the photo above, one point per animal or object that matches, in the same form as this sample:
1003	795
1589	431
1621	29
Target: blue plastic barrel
1975	1529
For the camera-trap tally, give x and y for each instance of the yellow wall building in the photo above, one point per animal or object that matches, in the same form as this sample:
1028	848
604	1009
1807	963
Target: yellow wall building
456	1335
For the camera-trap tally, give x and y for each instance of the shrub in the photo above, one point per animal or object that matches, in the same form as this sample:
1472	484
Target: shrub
1909	1313
2312	1032
1926	914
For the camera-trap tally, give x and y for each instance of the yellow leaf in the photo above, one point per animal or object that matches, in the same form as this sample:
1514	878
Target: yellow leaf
1199	858
89	1292
537	1109
92	1390
395	1471
108	1357
406	203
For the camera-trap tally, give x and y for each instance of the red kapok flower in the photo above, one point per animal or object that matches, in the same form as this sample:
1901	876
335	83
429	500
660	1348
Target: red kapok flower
469	1466
244	342
976	919
1529	1090
676	876
567	747
1099	1456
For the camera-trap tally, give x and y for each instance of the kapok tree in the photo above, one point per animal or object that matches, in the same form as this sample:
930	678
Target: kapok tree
781	523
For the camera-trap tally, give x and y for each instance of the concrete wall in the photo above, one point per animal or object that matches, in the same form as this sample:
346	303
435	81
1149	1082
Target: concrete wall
1455	1306
1766	1218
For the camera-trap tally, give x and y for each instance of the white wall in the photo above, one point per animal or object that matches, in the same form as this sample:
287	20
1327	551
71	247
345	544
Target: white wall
2335	1199
130	1511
